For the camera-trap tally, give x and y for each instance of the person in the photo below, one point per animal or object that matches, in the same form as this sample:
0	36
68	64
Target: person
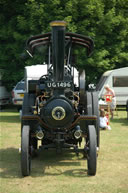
104	120
112	103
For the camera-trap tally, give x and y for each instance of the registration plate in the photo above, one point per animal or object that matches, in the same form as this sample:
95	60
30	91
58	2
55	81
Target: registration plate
22	95
58	84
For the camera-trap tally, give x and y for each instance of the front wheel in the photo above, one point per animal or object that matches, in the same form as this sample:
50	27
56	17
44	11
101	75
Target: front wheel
25	151
91	150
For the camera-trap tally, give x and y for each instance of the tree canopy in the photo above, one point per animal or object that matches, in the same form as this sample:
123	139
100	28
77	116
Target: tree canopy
106	22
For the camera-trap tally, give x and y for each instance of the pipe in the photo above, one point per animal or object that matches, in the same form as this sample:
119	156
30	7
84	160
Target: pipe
58	49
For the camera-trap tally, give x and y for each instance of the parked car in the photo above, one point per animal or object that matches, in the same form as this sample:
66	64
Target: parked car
5	96
18	94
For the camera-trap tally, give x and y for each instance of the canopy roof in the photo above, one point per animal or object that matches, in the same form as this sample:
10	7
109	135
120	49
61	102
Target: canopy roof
71	38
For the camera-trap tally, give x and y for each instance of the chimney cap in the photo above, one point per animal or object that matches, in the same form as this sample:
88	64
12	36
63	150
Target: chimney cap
58	23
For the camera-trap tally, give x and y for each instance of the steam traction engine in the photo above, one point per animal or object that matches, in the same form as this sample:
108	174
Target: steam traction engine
57	109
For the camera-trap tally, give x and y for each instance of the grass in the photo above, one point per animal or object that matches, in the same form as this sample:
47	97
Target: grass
64	173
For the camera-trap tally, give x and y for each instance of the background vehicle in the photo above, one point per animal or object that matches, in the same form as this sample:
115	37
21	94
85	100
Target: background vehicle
57	110
118	80
5	96
18	94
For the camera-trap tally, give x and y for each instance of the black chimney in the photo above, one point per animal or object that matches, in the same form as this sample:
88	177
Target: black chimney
58	49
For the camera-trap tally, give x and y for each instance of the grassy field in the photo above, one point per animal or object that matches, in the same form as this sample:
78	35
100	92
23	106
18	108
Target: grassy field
67	173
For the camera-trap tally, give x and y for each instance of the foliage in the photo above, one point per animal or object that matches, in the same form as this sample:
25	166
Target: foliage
106	23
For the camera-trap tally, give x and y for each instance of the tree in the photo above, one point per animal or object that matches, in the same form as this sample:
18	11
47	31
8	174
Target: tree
106	23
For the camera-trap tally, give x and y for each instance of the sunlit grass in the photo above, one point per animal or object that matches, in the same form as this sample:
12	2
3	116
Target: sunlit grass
64	173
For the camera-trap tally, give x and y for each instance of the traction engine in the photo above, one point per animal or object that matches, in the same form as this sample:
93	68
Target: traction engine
57	110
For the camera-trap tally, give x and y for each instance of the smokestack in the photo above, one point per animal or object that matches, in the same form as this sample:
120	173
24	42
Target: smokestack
58	49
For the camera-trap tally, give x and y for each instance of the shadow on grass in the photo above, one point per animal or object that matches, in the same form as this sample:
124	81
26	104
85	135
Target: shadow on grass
9	163
51	164
122	121
48	163
10	116
10	119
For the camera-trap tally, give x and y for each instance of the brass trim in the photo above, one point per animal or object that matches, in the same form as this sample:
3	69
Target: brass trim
58	23
62	111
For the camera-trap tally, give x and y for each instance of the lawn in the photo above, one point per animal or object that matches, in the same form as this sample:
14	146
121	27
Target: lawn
64	173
